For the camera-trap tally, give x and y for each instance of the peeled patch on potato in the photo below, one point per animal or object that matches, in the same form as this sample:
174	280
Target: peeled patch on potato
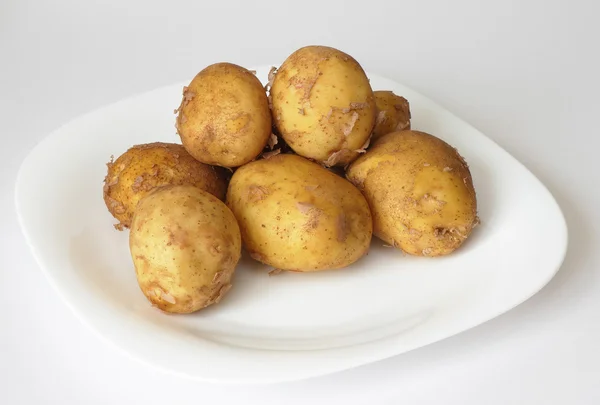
224	117
393	114
295	215
142	168
323	105
420	191
185	244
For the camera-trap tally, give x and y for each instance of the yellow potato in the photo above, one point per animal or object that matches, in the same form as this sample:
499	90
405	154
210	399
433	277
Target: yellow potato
224	117
323	105
420	192
393	114
296	215
144	167
185	244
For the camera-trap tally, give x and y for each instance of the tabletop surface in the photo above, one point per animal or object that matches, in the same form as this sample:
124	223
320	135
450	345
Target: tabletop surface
523	72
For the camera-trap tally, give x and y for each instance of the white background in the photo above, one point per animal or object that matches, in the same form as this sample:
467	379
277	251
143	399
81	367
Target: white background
523	72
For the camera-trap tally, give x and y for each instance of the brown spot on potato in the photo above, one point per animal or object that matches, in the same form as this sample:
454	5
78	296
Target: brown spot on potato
328	115
304	207
334	158
137	184
258	257
178	237
187	95
313	214
217	277
168	298
107	186
142	258
349	126
414	232
215	250
358	106
238	124
257	193
313	221
115	206
221	293
342	228
440	232
381	116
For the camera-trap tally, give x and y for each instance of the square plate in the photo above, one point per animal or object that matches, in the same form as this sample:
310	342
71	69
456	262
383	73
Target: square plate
291	326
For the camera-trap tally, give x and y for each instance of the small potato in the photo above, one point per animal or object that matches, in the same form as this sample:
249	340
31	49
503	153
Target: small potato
420	192
185	244
144	167
323	105
224	117
296	215
393	114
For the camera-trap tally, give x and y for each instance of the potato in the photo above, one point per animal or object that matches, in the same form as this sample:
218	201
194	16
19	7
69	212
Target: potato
323	105
296	215
224	117
145	167
420	192
185	244
393	114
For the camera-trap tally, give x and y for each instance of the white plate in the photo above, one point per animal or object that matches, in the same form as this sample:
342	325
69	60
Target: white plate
290	326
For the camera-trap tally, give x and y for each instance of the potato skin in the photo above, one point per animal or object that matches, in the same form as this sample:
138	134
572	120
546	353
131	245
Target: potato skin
295	215
420	192
224	117
393	114
323	105
144	167
185	244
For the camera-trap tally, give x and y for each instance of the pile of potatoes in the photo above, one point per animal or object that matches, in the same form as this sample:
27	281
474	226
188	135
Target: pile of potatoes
263	168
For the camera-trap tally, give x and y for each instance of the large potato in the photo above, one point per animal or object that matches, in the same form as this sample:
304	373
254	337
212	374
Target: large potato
144	167
323	105
185	244
224	117
296	215
420	192
393	114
